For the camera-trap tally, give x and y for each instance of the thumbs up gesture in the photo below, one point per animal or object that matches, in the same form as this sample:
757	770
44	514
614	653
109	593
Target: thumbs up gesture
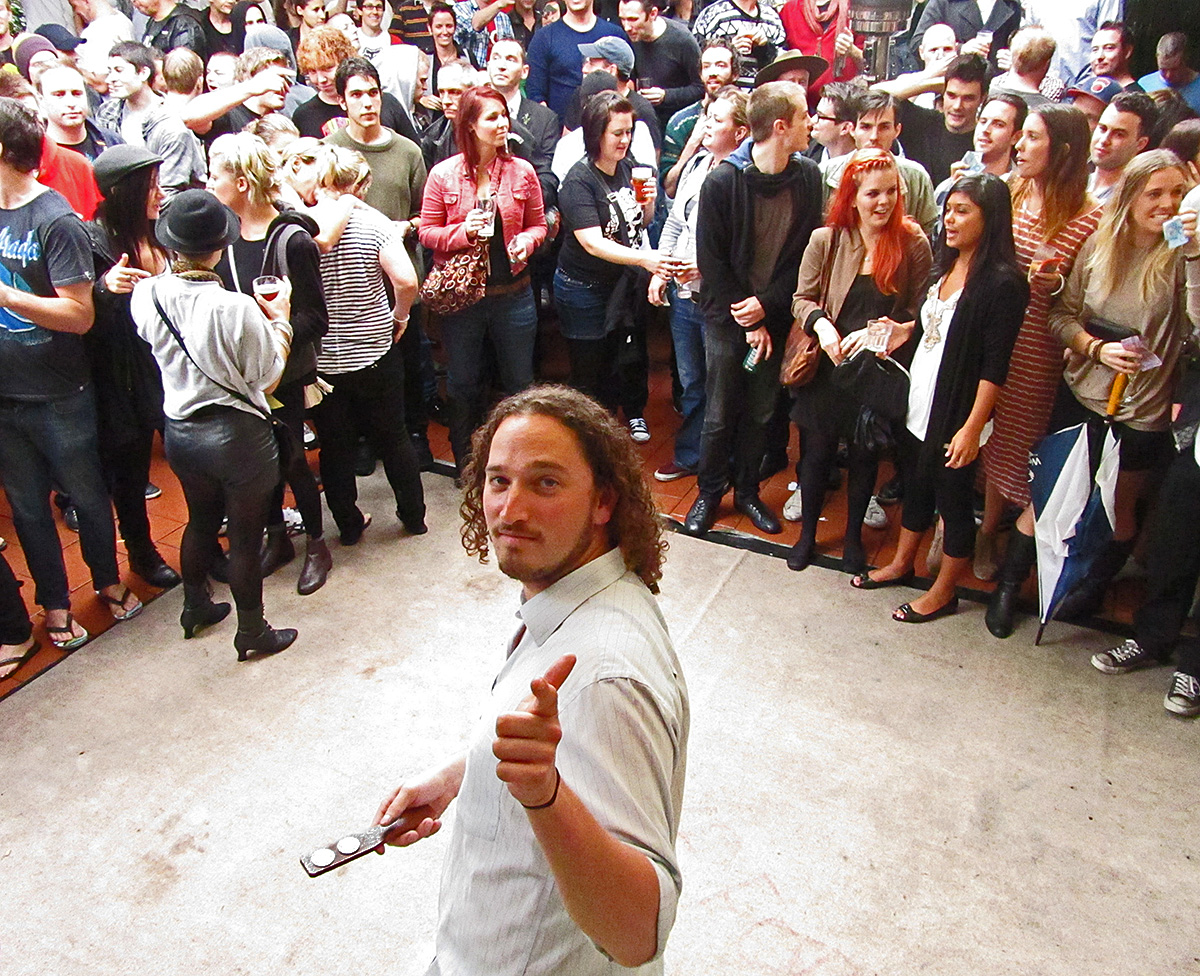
527	739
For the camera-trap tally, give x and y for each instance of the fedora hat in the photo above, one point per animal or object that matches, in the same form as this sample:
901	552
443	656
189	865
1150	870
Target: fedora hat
786	61
196	222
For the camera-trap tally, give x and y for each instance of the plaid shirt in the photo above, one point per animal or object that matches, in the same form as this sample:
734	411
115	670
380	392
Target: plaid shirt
476	45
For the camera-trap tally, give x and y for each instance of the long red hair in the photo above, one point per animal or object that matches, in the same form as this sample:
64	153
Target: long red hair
843	215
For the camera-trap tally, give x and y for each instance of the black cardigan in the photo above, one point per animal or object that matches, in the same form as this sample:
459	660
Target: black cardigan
979	343
725	243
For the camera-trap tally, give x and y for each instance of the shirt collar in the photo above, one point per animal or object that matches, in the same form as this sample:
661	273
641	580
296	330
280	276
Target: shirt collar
544	612
514	104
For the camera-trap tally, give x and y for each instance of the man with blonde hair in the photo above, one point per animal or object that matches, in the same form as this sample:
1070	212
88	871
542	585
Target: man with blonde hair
1032	52
757	211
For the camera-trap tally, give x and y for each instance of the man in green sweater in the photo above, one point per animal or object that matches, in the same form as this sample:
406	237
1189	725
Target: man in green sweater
397	168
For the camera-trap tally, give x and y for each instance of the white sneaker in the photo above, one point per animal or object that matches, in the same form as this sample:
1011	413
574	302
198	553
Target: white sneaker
876	517
638	430
792	510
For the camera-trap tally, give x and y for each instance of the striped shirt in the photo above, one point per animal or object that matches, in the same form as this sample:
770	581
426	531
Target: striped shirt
360	316
624	715
1036	367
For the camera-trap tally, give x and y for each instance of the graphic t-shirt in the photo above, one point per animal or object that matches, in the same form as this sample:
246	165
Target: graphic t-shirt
589	197
43	244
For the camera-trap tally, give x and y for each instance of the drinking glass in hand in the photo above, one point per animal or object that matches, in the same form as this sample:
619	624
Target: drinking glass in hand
267	287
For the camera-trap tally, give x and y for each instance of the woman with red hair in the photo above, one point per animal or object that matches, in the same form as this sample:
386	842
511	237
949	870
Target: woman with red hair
485	192
869	261
822	27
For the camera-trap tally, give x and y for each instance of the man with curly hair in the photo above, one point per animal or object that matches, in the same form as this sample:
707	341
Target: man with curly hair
562	858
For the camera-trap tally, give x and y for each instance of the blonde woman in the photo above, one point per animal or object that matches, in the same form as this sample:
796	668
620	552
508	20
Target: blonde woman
277	240
1127	275
360	357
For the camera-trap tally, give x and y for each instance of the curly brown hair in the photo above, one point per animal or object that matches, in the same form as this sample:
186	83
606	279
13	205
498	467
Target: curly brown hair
635	527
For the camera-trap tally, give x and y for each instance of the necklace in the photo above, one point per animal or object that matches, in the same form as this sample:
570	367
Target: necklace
937	310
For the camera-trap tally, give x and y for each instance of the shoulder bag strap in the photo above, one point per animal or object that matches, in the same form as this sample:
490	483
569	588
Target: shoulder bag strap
182	345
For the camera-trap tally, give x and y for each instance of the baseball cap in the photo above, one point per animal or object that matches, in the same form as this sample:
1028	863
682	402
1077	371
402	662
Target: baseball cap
1098	87
613	50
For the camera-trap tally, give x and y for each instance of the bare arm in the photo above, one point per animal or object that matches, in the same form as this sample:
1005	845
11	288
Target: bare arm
397	265
914	83
484	15
200	112
69	311
598	246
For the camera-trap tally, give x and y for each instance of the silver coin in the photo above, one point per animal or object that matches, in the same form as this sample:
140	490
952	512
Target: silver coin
348	845
322	858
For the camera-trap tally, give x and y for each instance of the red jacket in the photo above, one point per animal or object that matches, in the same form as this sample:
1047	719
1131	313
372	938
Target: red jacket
70	174
800	37
450	195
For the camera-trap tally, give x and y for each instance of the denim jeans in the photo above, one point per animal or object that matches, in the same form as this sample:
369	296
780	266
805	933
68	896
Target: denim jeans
687	336
738	407
53	444
510	323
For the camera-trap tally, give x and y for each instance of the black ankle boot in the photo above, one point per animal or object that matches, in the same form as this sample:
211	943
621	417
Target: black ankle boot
1087	597
199	611
255	634
1018	561
277	550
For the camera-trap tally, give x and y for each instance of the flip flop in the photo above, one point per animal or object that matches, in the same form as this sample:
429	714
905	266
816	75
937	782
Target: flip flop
19	660
116	605
72	640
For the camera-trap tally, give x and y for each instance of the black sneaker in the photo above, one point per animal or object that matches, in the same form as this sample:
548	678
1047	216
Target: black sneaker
891	492
152	490
1127	657
1183	697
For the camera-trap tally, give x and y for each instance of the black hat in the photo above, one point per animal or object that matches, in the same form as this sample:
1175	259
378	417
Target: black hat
196	222
117	162
786	61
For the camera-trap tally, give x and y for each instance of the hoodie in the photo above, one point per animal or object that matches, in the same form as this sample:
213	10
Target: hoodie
726	235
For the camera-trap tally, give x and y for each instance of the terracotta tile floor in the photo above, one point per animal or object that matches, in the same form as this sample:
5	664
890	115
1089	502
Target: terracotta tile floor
168	515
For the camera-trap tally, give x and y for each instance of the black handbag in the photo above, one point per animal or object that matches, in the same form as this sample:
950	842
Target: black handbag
286	444
879	384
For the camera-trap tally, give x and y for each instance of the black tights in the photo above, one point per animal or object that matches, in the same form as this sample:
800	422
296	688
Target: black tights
818	451
299	475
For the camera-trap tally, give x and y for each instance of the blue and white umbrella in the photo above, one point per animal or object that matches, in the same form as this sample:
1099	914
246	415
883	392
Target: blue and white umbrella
1074	509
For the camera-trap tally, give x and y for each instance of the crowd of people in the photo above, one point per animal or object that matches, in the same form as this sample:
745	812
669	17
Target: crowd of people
244	225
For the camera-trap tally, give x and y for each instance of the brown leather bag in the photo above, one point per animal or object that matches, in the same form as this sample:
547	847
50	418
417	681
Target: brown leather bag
802	352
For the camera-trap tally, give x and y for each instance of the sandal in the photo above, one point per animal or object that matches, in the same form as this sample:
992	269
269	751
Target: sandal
864	582
71	640
905	613
17	661
116	605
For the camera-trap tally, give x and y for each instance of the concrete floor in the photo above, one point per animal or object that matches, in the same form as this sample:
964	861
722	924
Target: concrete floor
863	797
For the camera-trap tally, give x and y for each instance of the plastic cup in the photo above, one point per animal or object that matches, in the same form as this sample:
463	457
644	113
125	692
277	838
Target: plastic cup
267	287
879	333
642	175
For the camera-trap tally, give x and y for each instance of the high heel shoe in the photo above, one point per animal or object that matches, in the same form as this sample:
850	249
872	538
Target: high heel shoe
195	619
268	640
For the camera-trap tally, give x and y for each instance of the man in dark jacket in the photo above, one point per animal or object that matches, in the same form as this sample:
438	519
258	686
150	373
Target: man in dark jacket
172	25
757	211
967	20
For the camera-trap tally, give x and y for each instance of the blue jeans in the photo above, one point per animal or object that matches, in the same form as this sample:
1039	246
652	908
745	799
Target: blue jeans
53	444
687	335
510	322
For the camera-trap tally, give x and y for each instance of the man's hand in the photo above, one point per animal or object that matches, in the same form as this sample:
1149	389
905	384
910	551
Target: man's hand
747	312
416	807
657	292
760	339
653	95
271	79
527	739
844	44
975	46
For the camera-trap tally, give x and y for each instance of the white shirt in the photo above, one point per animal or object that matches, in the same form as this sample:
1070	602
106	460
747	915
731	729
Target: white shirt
923	374
624	714
570	150
1072	24
100	36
